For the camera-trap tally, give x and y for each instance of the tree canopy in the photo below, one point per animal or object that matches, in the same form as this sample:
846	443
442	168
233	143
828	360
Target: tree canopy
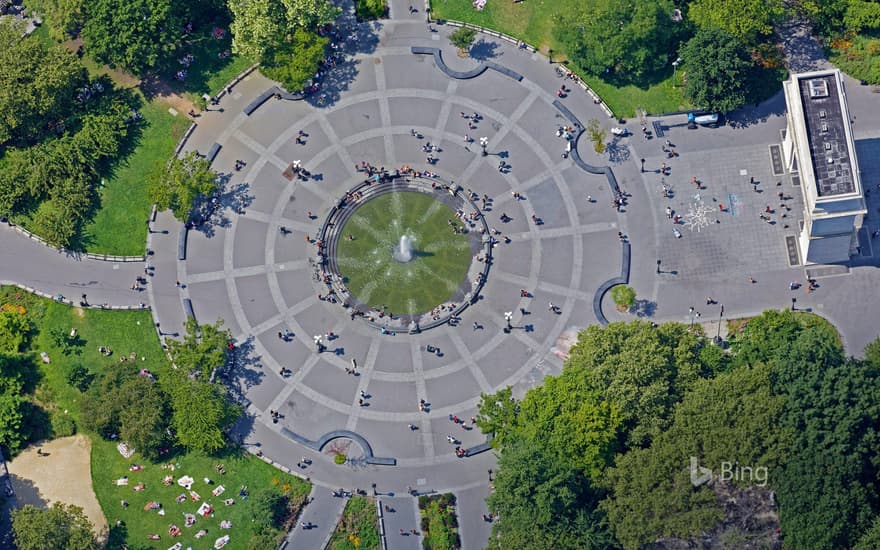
132	406
629	38
293	62
62	526
182	181
203	348
134	34
260	27
719	71
202	412
38	86
746	20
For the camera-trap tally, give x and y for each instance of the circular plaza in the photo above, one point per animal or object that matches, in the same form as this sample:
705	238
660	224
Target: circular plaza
420	233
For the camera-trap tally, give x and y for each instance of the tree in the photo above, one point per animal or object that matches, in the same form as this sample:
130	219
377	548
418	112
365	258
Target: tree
65	18
597	135
132	406
542	502
862	16
296	60
143	421
827	489
310	14
261	26
257	26
11	413
14	331
631	38
462	39
202	411
203	348
183	180
747	20
720	74
134	34
62	526
624	296
732	418
38	84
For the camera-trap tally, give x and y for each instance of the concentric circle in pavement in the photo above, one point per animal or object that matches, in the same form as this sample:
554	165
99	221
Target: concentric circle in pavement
555	248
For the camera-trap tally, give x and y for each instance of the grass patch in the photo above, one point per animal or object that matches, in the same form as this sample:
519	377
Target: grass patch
358	528
241	468
440	257
532	22
118	224
439	522
122	331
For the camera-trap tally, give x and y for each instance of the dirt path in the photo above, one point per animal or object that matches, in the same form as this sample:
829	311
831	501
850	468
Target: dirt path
64	475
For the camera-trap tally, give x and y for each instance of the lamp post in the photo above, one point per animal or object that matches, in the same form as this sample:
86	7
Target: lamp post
675	65
508	315
658	266
793	302
484	142
718	334
691	312
318	343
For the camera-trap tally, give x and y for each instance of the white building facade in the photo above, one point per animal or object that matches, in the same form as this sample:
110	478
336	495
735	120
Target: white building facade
819	149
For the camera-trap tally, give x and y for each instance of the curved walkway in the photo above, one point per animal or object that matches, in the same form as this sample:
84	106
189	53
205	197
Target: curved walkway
52	273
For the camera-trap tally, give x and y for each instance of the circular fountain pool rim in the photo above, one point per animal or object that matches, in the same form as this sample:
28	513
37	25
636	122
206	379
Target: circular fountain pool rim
327	273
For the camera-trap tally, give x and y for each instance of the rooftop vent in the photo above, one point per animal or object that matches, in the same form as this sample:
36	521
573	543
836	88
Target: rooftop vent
822	113
827	146
818	88
824	127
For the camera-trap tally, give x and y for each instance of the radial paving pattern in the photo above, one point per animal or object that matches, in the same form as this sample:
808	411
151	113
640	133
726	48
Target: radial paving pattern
262	281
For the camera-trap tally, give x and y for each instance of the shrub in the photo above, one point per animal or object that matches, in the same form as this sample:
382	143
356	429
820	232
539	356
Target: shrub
339	458
62	425
462	39
624	296
371	9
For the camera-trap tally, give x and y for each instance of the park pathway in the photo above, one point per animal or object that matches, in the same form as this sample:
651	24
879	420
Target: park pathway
322	513
51	272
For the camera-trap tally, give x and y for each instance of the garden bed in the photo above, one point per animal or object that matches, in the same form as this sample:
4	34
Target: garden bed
358	527
439	522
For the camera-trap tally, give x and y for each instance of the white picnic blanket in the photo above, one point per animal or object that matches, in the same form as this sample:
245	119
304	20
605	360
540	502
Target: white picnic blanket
185	482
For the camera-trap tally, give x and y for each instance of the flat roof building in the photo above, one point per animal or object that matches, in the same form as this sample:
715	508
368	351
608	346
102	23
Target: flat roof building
819	148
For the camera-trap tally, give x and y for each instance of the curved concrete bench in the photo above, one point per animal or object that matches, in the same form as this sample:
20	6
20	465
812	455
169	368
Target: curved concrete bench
336	434
606	286
464	75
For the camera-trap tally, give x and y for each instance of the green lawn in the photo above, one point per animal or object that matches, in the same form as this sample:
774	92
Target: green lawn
532	21
439	522
358	527
241	468
122	331
118	224
440	262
